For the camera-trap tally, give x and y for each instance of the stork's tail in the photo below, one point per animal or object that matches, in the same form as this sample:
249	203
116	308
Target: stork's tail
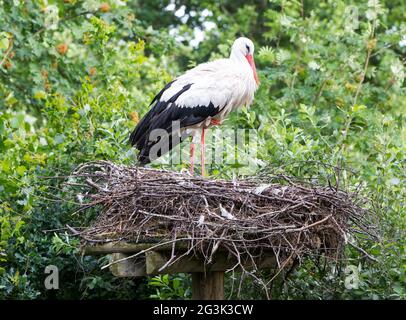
152	150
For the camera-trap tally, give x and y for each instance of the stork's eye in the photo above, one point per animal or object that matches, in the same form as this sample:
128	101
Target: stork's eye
248	48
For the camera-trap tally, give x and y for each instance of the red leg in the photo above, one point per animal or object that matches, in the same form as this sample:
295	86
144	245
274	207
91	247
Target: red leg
202	152
215	122
192	157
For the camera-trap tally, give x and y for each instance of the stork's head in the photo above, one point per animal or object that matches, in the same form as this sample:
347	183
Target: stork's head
243	49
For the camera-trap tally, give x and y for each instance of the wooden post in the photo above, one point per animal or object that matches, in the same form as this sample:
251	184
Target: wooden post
207	279
208	286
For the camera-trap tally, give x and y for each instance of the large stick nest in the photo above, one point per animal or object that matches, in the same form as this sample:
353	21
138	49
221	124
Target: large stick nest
245	217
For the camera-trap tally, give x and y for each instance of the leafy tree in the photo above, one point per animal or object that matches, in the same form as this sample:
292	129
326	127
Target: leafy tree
75	76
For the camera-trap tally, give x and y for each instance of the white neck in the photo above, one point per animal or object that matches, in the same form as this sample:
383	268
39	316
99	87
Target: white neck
237	56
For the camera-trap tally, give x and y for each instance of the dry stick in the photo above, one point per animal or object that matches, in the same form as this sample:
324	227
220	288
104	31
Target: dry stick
149	249
363	251
281	268
252	274
173	256
186	253
142	251
280	211
309	226
145	202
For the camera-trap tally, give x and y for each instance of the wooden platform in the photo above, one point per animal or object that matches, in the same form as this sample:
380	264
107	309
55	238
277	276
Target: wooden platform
207	278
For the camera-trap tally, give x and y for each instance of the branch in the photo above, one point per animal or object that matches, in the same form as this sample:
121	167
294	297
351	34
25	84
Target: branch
10	47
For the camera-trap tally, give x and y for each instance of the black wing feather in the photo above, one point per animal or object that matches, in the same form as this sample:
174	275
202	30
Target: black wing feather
156	109
161	116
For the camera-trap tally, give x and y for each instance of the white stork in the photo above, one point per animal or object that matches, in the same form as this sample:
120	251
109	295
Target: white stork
198	99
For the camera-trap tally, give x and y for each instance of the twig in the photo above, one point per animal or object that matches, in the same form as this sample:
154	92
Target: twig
8	51
141	203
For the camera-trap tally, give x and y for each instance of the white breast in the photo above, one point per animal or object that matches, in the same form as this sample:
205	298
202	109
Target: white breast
224	83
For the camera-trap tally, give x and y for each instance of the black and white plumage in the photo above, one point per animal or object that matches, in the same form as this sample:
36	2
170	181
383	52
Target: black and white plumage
198	99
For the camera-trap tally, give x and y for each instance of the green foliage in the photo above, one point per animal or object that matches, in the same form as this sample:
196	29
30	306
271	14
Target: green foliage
75	76
171	287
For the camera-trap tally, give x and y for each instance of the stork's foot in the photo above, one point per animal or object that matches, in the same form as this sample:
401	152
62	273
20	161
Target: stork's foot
215	122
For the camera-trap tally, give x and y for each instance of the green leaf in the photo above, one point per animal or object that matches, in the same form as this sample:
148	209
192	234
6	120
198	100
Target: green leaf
21	170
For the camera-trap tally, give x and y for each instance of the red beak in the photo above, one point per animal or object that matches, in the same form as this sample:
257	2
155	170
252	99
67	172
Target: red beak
250	60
